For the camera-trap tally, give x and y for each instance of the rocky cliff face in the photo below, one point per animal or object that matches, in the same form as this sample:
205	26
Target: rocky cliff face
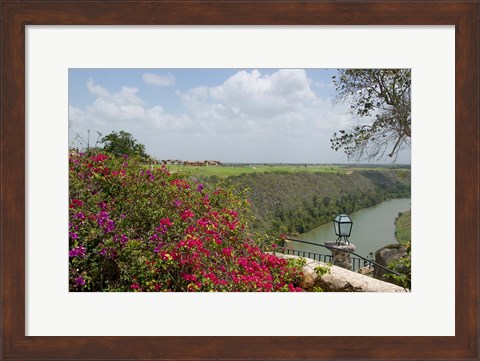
386	255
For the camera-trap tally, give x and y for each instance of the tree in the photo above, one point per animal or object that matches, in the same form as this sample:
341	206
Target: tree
123	143
382	98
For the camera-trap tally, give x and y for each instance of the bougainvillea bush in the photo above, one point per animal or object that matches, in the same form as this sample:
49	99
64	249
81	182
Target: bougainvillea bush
139	228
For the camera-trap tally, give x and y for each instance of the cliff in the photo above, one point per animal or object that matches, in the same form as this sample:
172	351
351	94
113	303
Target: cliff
297	202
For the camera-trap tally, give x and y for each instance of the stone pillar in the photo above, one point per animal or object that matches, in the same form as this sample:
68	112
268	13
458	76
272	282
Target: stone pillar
340	258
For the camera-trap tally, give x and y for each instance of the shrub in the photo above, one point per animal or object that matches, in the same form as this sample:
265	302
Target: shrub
134	228
404	267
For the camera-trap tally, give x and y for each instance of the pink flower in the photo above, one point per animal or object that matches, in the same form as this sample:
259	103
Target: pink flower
187	214
99	158
166	222
227	251
189	277
180	183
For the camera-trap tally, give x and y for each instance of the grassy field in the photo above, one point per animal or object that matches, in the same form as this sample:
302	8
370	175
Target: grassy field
404	227
227	171
234	170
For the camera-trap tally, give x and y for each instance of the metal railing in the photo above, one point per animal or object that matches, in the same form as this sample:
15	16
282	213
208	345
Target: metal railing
356	261
326	258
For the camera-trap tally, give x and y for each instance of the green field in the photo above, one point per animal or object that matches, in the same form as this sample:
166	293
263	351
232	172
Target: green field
227	171
403	225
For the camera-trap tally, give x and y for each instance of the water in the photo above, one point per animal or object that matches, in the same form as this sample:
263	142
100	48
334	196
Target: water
372	229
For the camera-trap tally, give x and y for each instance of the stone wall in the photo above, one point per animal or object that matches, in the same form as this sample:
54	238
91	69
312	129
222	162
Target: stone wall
386	255
337	279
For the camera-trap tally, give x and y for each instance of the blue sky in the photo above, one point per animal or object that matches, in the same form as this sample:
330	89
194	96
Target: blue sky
230	115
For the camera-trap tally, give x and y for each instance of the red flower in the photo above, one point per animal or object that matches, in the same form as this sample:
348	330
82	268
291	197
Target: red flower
187	214
189	277
76	203
166	222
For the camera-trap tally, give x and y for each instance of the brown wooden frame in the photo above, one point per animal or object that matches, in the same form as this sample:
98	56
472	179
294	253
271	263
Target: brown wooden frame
464	14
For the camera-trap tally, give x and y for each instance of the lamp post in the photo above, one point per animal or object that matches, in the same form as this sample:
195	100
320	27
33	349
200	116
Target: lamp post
343	228
371	258
340	248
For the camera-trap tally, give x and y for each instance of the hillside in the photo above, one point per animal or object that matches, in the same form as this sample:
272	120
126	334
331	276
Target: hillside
403	227
285	202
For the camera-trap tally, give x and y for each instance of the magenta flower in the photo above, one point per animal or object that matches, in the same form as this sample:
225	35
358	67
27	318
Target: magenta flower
77	252
79	281
110	226
177	203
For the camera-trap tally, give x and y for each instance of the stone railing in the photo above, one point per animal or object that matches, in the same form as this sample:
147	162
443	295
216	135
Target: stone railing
337	279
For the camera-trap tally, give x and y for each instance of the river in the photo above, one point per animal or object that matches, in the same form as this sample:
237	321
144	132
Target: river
372	229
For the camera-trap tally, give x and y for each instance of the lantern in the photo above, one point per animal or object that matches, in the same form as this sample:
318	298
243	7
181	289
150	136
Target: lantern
343	227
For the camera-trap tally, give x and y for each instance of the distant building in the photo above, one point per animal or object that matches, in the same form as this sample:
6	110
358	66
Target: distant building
172	162
213	163
194	163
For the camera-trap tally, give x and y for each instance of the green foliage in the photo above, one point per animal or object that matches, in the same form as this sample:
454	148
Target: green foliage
322	270
298	262
294	203
403	227
123	143
404	267
383	97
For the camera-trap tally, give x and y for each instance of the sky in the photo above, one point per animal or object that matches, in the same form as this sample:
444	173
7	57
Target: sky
229	115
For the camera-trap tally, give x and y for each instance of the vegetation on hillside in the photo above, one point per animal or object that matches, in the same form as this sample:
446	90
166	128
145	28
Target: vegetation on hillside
404	267
286	202
403	227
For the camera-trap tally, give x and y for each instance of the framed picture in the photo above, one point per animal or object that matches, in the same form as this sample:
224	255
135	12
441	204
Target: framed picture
43	321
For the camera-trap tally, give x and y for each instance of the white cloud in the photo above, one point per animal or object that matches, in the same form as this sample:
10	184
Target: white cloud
96	89
265	95
124	105
75	114
161	120
249	114
158	79
278	104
